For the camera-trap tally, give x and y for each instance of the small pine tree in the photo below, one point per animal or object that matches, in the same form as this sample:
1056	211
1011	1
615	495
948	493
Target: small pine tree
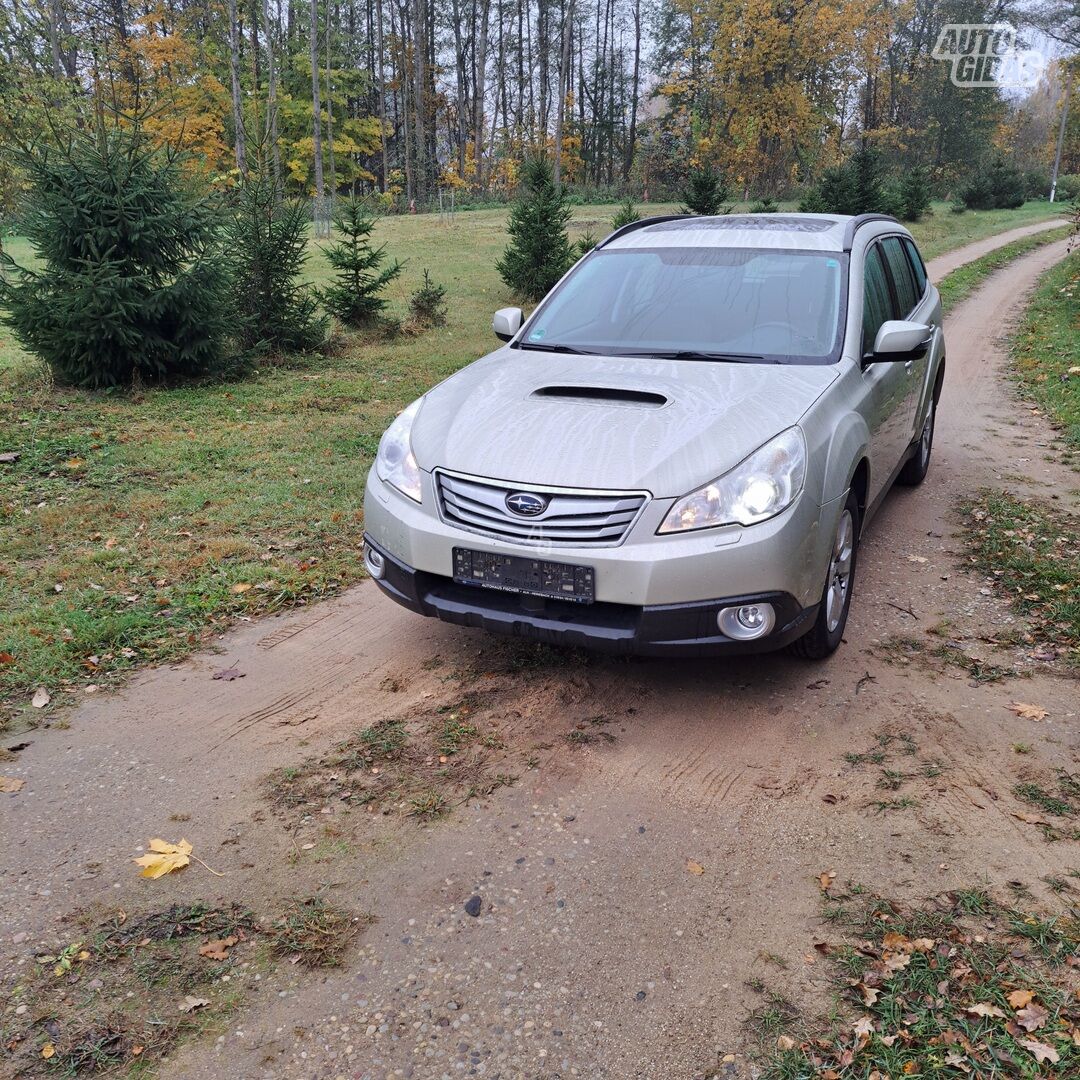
868	189
586	242
539	252
706	193
997	186
267	239
765	206
427	306
132	282
627	214
913	194
354	297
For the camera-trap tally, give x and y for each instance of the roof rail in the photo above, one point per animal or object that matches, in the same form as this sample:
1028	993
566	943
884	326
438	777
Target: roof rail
858	222
640	224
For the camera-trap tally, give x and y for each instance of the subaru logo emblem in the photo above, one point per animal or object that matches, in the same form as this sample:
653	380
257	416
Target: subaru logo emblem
525	504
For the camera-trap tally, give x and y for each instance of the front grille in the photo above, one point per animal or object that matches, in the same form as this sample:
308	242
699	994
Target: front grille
572	517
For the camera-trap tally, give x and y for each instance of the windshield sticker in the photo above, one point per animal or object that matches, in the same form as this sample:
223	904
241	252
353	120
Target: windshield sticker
537	334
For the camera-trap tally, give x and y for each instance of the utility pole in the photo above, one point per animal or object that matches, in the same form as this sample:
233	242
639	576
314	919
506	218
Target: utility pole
1061	130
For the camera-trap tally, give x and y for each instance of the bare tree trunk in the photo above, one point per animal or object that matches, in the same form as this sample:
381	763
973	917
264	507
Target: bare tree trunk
631	138
479	88
382	96
316	114
271	97
237	107
564	64
332	189
419	58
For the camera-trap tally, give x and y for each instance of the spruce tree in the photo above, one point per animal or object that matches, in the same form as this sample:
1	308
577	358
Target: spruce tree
627	214
132	284
354	297
267	237
913	194
706	193
539	252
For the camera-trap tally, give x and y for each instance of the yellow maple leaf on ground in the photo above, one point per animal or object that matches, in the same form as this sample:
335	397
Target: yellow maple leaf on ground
164	858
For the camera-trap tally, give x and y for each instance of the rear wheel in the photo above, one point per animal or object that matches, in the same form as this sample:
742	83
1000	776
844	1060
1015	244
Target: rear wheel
914	472
825	635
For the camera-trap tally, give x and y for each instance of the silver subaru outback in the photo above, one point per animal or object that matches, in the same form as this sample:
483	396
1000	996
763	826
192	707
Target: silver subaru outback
678	451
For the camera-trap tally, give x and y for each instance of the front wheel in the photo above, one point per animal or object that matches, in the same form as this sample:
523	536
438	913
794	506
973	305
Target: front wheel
825	635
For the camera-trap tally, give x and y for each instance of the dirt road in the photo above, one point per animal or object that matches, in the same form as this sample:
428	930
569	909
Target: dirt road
596	952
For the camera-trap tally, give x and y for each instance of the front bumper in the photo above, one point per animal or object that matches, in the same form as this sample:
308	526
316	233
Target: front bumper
686	629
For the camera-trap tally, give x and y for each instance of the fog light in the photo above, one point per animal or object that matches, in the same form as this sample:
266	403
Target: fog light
746	623
374	563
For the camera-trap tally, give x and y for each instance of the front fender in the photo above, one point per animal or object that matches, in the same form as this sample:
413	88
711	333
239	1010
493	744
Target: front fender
847	447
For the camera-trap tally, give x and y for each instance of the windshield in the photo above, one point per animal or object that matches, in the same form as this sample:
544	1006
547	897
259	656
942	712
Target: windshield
697	303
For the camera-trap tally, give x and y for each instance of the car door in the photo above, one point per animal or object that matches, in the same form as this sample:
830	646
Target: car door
907	297
887	382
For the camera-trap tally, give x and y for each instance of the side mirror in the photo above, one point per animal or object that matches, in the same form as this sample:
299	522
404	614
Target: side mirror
506	322
898	339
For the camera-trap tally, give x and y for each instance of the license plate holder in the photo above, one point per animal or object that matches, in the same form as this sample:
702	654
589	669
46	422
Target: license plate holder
526	575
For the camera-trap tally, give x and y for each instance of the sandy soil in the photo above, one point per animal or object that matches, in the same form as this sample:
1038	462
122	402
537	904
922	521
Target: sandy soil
596	953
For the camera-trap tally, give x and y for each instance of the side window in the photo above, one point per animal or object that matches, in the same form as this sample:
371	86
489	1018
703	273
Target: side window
903	278
916	265
877	302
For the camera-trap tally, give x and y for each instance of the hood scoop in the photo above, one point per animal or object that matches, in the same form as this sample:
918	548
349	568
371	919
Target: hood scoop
603	395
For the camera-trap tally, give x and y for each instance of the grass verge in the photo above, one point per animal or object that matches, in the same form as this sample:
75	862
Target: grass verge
128	990
1030	553
1046	349
963	281
953	988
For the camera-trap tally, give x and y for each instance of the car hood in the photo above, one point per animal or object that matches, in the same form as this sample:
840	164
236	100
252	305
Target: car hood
664	426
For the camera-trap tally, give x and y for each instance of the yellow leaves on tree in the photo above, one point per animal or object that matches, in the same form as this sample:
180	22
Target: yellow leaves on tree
767	78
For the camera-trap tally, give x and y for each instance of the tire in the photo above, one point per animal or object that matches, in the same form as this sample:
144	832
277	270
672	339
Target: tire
825	635
914	472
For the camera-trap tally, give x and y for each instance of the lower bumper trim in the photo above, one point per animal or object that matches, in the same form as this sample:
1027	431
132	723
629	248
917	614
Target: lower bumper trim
655	630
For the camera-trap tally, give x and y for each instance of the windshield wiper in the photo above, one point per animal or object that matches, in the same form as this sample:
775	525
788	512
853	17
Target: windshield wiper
539	347
698	354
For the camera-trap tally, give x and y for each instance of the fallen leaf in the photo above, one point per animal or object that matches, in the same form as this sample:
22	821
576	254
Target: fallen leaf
694	867
1041	1051
228	674
894	942
785	1042
9	785
190	1004
1019	998
869	994
864	1026
983	1009
909	1068
41	698
47	1051
137	1050
218	949
240	587
1026	711
825	879
74	463
1031	819
916	558
1032	1016
165	858
6	658
9	457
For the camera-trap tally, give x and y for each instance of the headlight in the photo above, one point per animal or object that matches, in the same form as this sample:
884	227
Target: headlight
767	482
394	462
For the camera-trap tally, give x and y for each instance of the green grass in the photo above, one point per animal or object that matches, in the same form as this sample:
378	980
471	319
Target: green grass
970	988
1046	349
963	281
1031	552
134	525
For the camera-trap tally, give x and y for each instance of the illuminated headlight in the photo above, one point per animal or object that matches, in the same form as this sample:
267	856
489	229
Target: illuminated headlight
394	462
768	481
